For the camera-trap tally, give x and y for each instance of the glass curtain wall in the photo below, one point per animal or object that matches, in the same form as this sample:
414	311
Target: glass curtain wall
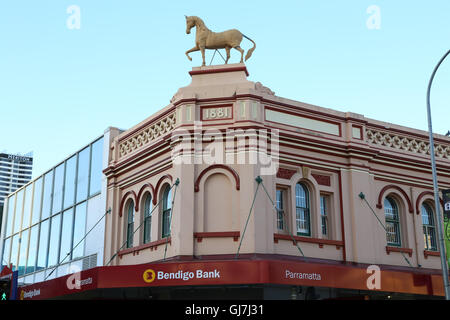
46	220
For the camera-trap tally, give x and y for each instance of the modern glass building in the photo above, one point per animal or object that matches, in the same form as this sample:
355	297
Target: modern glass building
45	222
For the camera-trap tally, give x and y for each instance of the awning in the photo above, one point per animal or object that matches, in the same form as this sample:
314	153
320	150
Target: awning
242	271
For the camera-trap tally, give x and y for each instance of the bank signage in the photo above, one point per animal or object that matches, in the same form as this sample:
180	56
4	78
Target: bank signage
231	272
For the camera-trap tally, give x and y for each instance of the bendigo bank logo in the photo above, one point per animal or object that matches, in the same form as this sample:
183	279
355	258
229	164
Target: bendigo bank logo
149	275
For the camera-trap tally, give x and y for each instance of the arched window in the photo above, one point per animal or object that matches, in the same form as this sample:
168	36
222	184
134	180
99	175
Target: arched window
392	222
167	208
147	219
429	227
303	222
130	224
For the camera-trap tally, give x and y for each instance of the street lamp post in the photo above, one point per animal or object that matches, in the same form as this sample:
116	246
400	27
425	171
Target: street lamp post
436	189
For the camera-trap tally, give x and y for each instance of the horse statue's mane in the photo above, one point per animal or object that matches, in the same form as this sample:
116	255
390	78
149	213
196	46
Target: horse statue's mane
206	39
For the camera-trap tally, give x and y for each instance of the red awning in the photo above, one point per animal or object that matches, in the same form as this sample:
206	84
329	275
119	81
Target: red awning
242	271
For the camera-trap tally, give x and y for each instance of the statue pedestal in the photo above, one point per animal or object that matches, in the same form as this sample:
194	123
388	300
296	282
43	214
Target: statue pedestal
216	81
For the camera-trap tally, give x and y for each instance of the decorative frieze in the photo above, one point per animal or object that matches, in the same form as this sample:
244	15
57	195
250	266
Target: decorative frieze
148	134
284	173
399	142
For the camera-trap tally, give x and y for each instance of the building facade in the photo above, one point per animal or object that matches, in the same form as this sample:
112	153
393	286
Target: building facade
46	221
15	171
233	192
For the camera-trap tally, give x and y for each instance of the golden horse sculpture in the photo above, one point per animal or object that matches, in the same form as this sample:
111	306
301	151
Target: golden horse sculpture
206	39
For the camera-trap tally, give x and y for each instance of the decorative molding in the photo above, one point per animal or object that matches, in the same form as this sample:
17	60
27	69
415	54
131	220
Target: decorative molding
390	249
391	186
217	166
306	171
227	234
423	194
284	173
158	184
125	198
320	242
399	142
322	179
151	245
148	134
142	190
428	253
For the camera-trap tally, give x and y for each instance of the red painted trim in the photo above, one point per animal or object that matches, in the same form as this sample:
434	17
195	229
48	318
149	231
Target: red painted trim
423	194
151	245
217	166
226	234
427	253
232	69
391	186
158	184
322	180
217	106
390	249
125	197
320	242
128	163
142	190
284	173
252	268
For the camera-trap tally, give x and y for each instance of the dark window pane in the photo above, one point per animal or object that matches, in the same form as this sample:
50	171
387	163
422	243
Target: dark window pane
130	224
167	208
302	210
95	183
147	219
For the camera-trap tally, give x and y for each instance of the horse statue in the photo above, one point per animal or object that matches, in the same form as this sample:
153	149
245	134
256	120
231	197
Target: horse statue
206	39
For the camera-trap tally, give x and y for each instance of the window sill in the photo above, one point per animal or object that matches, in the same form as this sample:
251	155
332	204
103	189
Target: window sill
320	242
427	253
151	245
390	249
227	234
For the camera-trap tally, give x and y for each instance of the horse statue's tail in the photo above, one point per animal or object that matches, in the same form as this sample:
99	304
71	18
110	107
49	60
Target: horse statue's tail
249	52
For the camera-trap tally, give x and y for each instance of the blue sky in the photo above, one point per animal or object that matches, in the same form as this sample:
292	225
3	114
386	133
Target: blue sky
60	88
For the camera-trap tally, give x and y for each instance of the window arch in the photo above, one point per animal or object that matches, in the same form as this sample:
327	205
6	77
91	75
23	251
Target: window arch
130	223
302	208
147	218
167	210
429	227
392	217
